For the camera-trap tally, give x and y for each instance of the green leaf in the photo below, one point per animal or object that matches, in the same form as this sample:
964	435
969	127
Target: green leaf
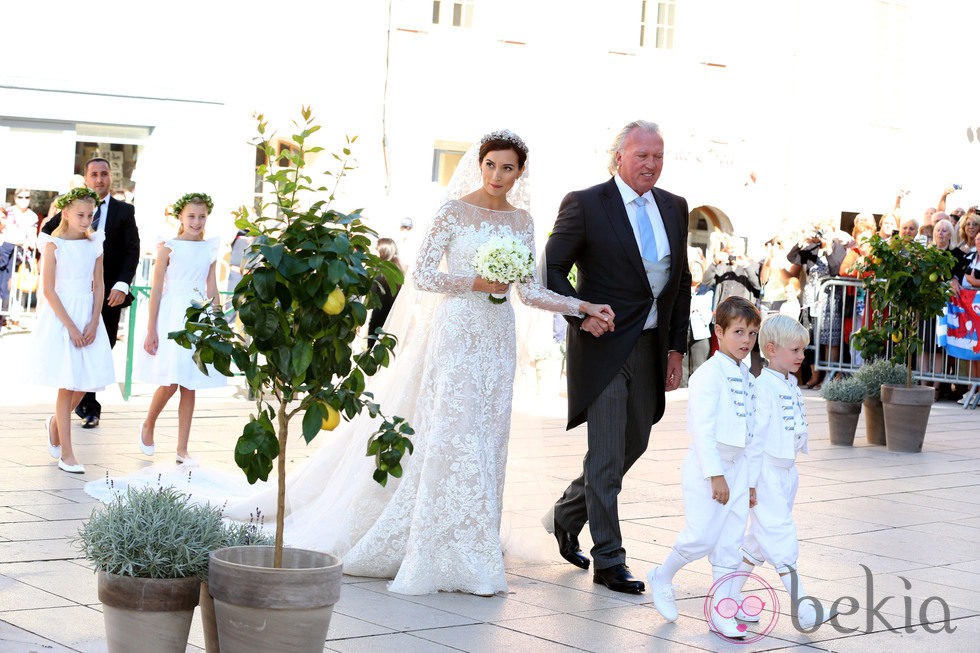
359	312
336	271
313	421
302	356
264	282
281	358
273	253
267	323
257	448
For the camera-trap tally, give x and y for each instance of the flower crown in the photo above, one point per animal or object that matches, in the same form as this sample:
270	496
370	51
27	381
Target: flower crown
505	135
193	198
79	193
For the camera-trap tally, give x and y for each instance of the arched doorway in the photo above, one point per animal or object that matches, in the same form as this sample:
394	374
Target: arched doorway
702	221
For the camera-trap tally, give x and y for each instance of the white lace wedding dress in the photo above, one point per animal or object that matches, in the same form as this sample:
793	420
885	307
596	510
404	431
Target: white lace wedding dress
438	527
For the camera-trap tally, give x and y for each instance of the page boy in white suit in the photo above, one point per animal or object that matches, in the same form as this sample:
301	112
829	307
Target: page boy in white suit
715	476
780	427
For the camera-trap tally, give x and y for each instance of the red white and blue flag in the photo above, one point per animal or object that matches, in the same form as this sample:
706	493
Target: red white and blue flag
959	326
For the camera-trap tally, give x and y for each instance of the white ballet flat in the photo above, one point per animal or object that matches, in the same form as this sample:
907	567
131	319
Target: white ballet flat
53	449
77	468
147	449
187	461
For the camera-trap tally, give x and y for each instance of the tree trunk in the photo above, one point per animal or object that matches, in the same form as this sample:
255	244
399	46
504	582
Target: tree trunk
281	495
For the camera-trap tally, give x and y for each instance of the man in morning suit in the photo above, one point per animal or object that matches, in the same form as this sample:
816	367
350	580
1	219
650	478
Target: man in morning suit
120	256
628	241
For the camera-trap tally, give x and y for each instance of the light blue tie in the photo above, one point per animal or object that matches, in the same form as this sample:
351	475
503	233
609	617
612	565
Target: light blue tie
648	243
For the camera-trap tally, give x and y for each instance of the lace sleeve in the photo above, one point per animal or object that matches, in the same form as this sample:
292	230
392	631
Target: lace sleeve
533	293
427	274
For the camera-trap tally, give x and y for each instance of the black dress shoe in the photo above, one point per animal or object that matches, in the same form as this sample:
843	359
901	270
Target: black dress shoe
90	422
569	549
619	579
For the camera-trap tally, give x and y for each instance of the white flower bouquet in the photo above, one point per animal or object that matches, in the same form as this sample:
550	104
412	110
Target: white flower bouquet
503	260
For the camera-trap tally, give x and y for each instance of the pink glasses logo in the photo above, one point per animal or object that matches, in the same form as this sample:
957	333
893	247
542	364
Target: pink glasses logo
759	607
750	605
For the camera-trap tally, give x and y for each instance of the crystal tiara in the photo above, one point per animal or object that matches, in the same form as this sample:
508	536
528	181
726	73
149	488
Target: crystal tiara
505	135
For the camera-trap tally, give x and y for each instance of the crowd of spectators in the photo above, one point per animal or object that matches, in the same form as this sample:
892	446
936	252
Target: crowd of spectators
788	277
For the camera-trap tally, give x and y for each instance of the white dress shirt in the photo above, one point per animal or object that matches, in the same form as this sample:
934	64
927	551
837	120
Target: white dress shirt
653	212
658	271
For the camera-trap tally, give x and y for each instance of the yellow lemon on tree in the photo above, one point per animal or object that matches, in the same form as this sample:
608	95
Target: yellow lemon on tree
876	260
933	277
897	337
335	302
332	419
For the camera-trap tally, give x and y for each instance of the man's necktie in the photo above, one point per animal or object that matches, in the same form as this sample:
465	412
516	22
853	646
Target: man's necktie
648	242
98	216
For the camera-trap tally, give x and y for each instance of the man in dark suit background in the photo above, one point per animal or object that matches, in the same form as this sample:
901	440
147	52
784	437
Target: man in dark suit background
628	241
120	256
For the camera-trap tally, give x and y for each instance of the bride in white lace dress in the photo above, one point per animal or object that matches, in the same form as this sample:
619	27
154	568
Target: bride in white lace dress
438	527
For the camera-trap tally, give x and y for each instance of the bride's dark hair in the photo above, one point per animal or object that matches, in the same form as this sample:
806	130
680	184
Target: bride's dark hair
504	139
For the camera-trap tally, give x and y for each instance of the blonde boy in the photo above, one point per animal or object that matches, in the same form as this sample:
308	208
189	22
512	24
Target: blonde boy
780	426
715	476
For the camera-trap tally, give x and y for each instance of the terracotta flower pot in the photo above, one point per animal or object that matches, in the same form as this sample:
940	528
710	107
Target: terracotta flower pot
843	419
155	612
208	622
906	415
874	421
260	608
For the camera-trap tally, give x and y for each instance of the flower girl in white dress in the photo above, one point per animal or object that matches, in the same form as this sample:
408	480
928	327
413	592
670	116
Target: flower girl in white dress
71	344
183	273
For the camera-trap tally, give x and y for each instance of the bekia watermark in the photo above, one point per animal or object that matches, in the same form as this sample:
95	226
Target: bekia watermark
762	604
873	610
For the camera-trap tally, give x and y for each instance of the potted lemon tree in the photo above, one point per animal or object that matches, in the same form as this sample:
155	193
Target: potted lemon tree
301	304
907	282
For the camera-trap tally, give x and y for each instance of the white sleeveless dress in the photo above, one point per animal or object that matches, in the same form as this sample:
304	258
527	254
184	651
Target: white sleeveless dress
59	363
185	280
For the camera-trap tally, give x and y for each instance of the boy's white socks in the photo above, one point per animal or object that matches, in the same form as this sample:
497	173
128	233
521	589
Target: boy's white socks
673	564
738	583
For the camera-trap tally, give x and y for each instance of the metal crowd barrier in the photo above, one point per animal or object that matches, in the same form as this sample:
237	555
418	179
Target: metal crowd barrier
21	308
834	355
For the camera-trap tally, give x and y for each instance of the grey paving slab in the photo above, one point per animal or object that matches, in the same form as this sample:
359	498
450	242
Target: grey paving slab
18	640
407	642
489	638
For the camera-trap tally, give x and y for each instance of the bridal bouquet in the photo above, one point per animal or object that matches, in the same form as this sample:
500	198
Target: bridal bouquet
503	260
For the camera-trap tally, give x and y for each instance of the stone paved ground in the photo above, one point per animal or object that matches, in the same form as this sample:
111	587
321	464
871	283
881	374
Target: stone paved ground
912	520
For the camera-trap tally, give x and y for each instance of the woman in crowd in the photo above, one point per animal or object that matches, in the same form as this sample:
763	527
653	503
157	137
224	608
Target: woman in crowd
856	304
388	251
820	255
888	226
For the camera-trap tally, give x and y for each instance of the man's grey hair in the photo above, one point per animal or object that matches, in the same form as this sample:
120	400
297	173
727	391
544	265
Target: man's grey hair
617	144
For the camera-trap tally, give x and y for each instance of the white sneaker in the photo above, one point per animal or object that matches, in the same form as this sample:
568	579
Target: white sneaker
726	626
663	596
806	614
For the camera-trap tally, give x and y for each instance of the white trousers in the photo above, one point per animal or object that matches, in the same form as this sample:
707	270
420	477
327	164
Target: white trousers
772	531
712	529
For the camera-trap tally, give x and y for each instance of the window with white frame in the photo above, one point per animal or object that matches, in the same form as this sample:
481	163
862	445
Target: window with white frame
458	13
657	30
